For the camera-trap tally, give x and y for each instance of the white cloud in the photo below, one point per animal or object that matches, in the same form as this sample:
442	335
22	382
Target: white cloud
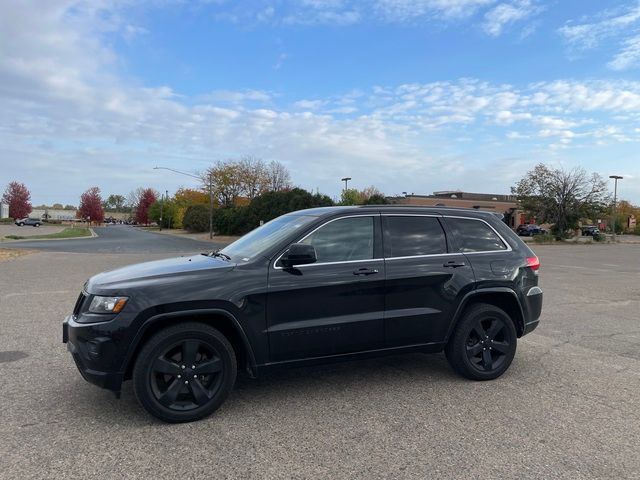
505	14
67	115
628	57
621	26
403	10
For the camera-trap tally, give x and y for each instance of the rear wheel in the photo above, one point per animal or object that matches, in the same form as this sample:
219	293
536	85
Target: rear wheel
483	343
185	372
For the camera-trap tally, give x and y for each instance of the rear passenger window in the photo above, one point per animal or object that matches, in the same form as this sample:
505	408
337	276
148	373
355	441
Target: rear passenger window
411	236
474	236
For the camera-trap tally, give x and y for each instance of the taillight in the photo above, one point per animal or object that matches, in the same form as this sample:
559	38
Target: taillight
534	263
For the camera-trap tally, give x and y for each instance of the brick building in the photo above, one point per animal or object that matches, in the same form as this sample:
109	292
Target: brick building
504	204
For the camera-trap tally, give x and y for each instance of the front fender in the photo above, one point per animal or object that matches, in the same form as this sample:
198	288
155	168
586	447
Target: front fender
163	318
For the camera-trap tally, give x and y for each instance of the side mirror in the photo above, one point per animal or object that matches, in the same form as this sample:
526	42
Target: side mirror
299	254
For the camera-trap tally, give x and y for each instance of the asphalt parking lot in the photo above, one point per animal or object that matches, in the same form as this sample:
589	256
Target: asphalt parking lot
569	407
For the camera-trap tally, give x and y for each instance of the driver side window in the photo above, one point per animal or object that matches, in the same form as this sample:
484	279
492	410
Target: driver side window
343	240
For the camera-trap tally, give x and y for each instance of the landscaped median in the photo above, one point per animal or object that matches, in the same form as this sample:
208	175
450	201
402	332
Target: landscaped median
67	233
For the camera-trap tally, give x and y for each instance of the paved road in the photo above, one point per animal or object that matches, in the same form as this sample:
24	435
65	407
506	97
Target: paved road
119	239
569	407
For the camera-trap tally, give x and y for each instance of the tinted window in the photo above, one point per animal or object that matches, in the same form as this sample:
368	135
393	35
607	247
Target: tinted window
264	237
343	240
474	235
410	236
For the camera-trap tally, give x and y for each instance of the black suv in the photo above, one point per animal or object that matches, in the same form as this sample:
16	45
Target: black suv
308	287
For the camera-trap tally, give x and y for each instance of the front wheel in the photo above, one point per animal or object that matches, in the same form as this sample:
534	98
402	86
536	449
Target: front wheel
184	372
483	343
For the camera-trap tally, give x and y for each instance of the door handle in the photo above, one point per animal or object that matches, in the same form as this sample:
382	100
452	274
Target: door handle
365	271
454	264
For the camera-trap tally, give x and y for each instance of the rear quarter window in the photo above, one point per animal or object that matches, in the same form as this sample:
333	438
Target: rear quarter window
472	235
408	236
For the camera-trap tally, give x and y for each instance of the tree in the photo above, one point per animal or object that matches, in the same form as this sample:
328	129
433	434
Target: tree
196	218
182	200
146	198
189	196
247	178
91	205
57	206
278	177
369	196
114	203
165	209
18	197
273	204
561	197
253	176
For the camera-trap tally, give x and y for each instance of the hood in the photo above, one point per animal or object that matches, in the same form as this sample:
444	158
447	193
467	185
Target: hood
158	271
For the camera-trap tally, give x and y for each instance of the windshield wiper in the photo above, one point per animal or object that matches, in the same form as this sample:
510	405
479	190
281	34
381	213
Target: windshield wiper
218	254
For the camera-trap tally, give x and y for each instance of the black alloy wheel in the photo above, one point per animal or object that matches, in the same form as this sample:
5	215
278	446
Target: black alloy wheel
483	343
488	344
184	372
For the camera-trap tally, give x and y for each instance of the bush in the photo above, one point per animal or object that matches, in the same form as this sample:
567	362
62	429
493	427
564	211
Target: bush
6	220
599	237
233	221
196	218
273	204
544	238
53	222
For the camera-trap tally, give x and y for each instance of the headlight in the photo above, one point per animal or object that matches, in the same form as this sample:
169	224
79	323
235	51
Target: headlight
107	304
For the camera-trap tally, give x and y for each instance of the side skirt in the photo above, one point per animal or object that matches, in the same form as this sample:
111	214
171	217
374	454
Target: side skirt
434	347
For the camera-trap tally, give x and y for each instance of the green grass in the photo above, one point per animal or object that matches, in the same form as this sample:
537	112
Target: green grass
66	233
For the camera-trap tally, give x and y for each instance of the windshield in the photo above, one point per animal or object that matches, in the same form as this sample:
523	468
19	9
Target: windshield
262	238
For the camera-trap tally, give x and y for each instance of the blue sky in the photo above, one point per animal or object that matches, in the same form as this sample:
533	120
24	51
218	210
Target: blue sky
406	95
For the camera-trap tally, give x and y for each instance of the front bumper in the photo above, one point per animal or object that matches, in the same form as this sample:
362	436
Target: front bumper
95	355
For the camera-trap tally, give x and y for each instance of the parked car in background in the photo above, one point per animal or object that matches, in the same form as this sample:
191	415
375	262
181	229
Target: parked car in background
590	231
34	222
529	230
309	287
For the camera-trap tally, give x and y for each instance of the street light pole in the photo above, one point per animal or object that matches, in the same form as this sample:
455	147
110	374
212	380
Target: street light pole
346	182
210	192
210	206
615	200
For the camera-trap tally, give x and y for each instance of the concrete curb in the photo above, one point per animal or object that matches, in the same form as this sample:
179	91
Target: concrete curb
93	234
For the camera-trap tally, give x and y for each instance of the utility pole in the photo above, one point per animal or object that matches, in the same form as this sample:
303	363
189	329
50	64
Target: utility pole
346	182
615	200
166	196
161	209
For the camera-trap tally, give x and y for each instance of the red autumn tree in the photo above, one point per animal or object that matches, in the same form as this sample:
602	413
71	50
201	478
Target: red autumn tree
91	205
18	197
147	197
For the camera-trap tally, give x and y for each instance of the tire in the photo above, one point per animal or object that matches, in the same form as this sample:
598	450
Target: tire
21	224
163	365
36	224
478	358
